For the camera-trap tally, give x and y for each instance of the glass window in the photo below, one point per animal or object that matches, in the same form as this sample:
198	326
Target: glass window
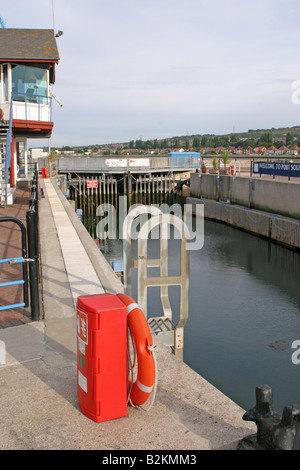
4	82
30	82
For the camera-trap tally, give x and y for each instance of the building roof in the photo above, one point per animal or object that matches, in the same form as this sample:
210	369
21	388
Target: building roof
28	44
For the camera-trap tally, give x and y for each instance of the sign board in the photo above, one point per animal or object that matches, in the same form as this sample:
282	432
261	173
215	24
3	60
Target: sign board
277	169
37	153
116	162
141	162
82	326
92	184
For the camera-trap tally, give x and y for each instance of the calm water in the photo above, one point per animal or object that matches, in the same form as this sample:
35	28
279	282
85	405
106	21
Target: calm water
244	313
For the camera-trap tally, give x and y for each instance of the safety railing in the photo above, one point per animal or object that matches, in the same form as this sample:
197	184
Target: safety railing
32	107
29	256
122	164
21	259
8	152
28	107
32	221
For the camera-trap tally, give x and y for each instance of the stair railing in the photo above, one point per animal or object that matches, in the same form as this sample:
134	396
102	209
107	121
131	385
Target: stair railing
8	150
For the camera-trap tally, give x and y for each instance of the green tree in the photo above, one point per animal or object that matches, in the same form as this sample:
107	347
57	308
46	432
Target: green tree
138	144
204	141
164	143
266	139
196	142
289	138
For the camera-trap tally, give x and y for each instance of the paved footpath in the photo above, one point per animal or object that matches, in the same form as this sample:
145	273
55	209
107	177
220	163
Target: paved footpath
38	374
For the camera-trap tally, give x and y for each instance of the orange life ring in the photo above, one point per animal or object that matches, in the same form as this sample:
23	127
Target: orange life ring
139	328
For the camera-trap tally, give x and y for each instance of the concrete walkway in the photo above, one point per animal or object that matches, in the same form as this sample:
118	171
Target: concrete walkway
38	377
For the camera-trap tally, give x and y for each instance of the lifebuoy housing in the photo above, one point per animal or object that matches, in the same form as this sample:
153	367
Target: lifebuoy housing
139	328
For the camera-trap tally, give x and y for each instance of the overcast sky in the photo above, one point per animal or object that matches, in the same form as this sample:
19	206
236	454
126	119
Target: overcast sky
145	69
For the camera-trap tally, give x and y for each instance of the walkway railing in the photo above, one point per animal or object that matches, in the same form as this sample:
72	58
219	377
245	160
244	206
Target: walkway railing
124	164
32	221
29	256
22	259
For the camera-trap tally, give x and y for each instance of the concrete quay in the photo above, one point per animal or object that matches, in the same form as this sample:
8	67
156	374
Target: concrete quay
38	375
279	229
266	208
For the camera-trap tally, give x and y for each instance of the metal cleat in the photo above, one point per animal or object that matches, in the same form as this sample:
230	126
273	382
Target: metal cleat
273	432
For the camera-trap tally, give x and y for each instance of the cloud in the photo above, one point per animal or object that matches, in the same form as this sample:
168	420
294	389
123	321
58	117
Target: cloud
167	66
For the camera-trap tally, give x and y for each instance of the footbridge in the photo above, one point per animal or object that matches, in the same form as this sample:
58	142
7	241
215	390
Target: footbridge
114	175
123	164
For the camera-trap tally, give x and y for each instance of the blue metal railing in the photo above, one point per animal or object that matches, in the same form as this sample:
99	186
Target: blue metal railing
30	256
19	259
8	150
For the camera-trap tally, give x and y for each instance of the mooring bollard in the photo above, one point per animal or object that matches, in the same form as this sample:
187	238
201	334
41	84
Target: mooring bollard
273	431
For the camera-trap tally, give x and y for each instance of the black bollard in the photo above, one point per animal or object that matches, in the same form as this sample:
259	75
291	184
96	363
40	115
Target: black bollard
273	431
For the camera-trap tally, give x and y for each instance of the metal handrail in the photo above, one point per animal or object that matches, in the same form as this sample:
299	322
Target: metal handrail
173	338
8	150
123	164
32	100
128	263
18	260
30	255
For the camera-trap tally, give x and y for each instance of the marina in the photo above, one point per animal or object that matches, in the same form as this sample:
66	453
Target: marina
188	415
242	309
149	289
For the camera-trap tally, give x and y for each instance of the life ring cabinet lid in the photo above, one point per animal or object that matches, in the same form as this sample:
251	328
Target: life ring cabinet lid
95	303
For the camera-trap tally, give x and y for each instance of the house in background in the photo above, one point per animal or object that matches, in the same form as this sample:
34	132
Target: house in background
27	69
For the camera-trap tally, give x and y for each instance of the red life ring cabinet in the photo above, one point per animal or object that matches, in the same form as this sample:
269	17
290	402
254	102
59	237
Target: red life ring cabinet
139	328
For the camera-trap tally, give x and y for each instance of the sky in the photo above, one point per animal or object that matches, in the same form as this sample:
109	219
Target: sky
146	69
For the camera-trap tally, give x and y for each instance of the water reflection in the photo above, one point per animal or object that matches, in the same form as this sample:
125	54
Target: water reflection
244	312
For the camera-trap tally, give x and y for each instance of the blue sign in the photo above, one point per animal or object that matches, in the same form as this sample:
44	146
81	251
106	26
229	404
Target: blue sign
277	169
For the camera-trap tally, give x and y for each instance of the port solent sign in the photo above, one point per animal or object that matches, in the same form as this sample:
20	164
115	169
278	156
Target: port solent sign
277	169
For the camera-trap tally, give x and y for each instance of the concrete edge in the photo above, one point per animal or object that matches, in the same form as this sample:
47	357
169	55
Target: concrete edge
279	229
109	280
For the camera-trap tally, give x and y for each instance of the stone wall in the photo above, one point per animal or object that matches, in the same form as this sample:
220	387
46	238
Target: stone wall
277	197
279	229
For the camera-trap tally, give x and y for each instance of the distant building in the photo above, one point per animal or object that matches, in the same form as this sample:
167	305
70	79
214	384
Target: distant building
27	64
184	154
186	159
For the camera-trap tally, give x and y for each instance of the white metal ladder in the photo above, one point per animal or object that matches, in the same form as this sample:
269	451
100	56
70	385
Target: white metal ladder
169	333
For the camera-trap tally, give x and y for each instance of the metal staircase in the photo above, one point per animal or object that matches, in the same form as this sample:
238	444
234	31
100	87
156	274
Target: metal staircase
4	127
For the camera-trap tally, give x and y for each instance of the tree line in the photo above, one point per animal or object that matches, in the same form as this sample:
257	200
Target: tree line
266	139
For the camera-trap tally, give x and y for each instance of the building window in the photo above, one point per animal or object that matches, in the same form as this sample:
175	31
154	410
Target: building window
29	82
5	82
